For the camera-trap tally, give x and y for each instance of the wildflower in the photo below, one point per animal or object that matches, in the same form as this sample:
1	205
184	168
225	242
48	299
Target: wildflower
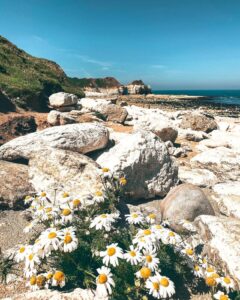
188	251
144	273
32	283
209	271
171	237
69	242
122	181
151	218
104	221
135	218
188	225
41	281
148	234
58	279
198	271
221	296
133	256
31	260
153	285
50	240
143	243
226	282
210	281
111	255
150	259
98	197
104	282
21	253
28	199
75	204
167	288
66	215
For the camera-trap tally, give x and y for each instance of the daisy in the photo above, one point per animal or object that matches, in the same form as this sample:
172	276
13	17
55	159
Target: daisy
104	221
50	240
133	256
226	282
32	283
221	296
69	241
104	282
135	218
147	234
171	237
64	198
75	204
144	273
150	260
98	197
66	215
151	218
153	285
209	271
198	271
188	251
31	260
158	230
143	243
58	279
122	181
28	199
188	225
111	255
21	253
167	288
106	173
210	281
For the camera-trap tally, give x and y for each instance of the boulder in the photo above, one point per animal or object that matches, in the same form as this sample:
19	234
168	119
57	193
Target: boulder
199	177
54	169
53	118
224	162
15	126
221	237
145	162
62	99
185	201
14	184
82	138
192	135
198	122
138	87
108	110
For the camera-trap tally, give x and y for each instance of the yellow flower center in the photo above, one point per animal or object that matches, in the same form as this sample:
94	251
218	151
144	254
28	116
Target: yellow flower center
49	276
33	280
189	251
215	275
30	257
123	181
134	216
65	195
48	209
41	280
152	216
147	232
66	212
103	216
196	268
67	239
227	280
132	253
98	193
158	226
145	273
27	197
76	203
105	170
111	251
59	276
43	194
22	249
149	258
164	282
156	285
52	235
223	297
102	278
210	281
210	270
171	233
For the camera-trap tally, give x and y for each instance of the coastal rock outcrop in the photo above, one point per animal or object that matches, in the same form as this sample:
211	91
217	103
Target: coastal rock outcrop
82	138
61	170
14	184
221	237
138	87
185	201
198	122
145	162
62	99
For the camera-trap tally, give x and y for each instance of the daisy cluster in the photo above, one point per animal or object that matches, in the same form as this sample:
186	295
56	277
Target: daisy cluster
95	224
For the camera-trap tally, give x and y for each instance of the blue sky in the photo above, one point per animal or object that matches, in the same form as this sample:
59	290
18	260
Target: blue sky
170	44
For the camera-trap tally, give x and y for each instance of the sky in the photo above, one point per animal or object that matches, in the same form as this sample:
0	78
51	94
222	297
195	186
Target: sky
169	44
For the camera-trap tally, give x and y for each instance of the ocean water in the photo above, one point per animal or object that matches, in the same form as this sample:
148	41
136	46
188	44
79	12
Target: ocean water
225	97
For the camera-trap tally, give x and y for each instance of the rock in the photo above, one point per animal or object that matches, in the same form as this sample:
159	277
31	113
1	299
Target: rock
198	122
145	162
77	294
109	111
192	135
138	87
62	99
82	138
224	162
221	236
185	201
65	119
14	184
177	152
228	198
16	126
199	177
51	169
53	118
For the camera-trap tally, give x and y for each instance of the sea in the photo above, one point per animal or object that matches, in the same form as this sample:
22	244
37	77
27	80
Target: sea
220	97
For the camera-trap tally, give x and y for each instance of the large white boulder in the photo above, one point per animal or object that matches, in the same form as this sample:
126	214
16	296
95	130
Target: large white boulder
62	99
221	237
54	169
82	138
145	162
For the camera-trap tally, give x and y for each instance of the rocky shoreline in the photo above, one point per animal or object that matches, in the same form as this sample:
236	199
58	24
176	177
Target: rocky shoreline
181	163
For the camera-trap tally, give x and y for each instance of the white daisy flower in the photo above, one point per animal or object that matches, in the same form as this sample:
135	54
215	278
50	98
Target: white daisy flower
31	260
151	218
105	172
111	255
158	230
66	215
188	251
104	282
135	218
198	271
171	237
29	227
209	271
143	243
28	199
226	282
64	198
32	283
188	225
203	261
167	288
21	253
58	279
133	256
69	240
98	197
144	273
75	204
104	221
148	234
221	296
50	240
153	285
150	259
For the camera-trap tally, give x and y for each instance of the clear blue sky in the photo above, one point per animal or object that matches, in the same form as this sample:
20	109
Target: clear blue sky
170	44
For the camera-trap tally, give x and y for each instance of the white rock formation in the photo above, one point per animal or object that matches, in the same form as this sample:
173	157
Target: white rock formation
62	99
82	138
144	159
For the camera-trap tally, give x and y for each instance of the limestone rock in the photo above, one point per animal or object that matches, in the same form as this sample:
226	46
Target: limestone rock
224	162
53	117
199	177
14	184
192	135
138	87
185	201
145	162
82	138
62	99
63	170
198	122
221	236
